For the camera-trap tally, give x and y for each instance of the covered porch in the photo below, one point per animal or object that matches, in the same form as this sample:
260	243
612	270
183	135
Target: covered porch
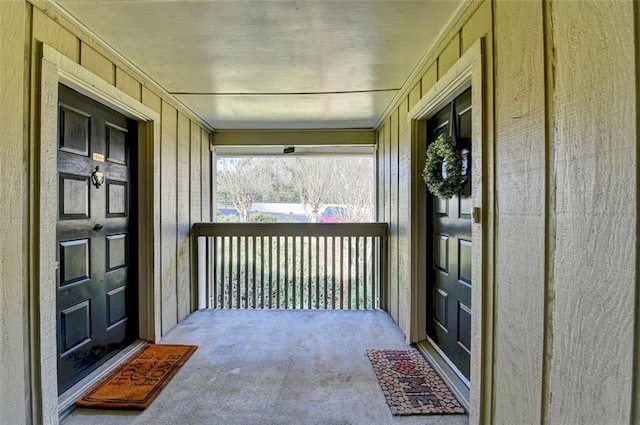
274	367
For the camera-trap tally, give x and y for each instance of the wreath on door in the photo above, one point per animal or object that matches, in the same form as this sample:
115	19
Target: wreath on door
443	168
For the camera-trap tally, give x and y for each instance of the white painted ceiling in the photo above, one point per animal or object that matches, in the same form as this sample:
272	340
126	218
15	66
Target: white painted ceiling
268	64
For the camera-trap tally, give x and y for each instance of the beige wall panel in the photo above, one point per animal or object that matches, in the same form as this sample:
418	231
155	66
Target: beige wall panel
386	189
196	178
151	99
520	262
449	56
404	229
429	78
387	171
379	176
128	84
595	276
13	329
196	200
477	26
48	31
403	109
393	218
415	94
636	389
205	172
97	63
404	241
184	204
168	218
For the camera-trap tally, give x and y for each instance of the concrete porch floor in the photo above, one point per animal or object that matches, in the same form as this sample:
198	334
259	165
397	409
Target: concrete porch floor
274	367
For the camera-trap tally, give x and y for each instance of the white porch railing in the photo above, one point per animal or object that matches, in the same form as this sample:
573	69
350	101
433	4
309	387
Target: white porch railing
292	265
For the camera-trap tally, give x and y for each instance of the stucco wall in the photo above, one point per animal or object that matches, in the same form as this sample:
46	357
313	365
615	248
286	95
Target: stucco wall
560	209
184	184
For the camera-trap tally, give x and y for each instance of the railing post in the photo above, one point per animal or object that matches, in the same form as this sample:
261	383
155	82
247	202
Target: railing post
195	259
384	270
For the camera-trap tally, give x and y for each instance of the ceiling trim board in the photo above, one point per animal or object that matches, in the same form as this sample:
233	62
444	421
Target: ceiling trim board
294	137
177	93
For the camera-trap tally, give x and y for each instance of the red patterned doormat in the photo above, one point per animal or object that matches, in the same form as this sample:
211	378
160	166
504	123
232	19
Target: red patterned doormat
410	385
137	382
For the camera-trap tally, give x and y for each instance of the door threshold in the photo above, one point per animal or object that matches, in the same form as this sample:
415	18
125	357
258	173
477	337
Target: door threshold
67	400
449	374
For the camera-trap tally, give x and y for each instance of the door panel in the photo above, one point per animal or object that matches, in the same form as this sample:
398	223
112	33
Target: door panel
449	285
97	293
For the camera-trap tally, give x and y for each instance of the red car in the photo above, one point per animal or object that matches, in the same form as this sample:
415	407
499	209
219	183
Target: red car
333	214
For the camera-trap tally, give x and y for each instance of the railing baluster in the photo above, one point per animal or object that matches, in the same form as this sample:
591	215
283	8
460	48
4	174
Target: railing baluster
286	272
357	276
278	268
270	272
253	265
238	279
333	272
245	290
365	283
317	243
214	294
349	269
341	281
294	273
229	284
262	272
325	266
310	301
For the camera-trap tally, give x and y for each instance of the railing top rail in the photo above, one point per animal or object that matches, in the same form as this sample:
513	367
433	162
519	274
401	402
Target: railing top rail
290	229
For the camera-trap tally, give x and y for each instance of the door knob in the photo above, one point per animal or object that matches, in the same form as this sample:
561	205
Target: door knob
97	227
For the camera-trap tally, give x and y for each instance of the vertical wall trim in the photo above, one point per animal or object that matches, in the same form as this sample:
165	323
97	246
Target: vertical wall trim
550	204
491	417
177	217
635	401
34	408
159	235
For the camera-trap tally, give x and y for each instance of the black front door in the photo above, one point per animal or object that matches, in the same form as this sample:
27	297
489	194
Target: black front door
96	285
449	282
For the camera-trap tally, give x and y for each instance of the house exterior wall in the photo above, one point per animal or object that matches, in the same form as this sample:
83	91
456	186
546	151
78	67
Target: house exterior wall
559	215
184	185
14	366
559	218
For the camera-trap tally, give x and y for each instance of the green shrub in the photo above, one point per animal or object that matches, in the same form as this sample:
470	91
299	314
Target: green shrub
262	218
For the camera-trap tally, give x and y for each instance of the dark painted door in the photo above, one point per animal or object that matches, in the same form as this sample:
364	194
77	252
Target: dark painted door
449	292
96	286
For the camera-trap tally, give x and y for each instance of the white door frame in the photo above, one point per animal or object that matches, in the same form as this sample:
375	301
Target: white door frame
466	72
57	68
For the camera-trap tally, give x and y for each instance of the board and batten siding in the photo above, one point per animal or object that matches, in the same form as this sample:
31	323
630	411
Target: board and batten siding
560	172
184	174
595	170
14	345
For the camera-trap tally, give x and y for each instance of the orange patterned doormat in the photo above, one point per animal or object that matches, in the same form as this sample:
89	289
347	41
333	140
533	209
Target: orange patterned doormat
410	385
137	382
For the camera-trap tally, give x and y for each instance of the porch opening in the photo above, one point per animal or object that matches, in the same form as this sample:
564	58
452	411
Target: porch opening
294	229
